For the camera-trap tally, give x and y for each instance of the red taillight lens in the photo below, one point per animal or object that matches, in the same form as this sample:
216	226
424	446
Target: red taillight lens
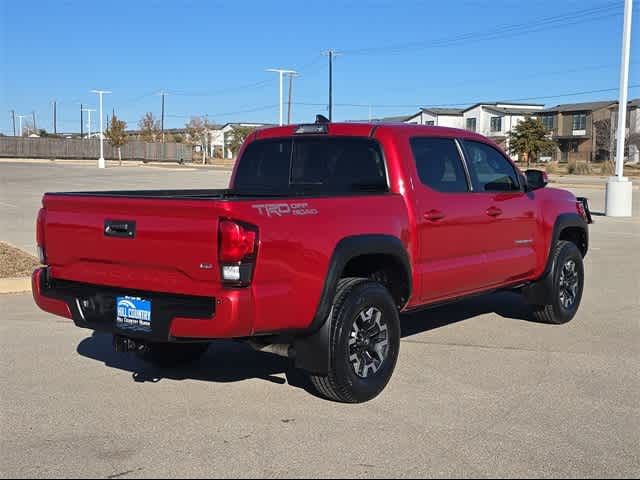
40	228
40	237
236	241
582	211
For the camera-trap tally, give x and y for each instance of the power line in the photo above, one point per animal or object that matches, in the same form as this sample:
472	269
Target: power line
462	104
227	114
500	31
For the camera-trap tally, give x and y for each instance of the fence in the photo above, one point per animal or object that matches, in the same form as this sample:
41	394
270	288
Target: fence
75	149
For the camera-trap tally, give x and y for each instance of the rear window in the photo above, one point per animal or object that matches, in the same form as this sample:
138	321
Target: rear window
312	166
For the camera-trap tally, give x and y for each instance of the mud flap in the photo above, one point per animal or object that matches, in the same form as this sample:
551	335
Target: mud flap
313	353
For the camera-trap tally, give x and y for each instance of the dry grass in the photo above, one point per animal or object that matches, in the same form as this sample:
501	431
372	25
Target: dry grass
15	263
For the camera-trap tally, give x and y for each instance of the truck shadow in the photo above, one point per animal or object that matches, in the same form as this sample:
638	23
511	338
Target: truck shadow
229	362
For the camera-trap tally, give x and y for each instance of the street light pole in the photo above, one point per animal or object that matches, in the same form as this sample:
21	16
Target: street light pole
89	110
20	117
291	77
101	161
282	72
619	202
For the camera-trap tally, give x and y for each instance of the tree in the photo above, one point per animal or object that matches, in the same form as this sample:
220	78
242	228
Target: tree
197	132
529	138
236	137
149	127
116	134
602	129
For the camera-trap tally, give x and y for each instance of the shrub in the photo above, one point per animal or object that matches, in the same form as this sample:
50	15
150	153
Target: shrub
579	168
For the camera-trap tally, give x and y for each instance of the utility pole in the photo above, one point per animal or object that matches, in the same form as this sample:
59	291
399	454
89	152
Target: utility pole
13	117
291	77
89	110
281	72
35	128
331	54
162	94
619	201
55	114
101	162
81	122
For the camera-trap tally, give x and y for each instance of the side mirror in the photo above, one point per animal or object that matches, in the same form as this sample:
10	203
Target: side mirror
536	179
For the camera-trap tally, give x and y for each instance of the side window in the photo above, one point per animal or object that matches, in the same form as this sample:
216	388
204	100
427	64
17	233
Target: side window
439	164
490	171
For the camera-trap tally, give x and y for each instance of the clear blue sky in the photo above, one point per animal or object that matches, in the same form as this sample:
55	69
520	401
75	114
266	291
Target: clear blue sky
211	56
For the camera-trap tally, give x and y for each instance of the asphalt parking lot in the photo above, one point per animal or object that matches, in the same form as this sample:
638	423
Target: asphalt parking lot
480	390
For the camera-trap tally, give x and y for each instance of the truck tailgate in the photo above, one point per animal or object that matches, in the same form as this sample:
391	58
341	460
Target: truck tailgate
169	245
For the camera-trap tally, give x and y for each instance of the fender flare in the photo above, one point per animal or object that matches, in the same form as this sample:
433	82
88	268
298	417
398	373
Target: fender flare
313	348
541	292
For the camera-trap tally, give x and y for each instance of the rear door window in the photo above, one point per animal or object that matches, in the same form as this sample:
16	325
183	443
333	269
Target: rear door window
325	165
439	164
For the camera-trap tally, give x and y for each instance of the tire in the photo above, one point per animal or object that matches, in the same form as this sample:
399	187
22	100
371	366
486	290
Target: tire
169	355
364	343
567	276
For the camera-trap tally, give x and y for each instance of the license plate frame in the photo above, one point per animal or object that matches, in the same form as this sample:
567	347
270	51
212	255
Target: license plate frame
133	314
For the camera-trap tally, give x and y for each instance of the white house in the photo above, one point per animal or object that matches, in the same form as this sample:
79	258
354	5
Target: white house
219	137
442	117
496	120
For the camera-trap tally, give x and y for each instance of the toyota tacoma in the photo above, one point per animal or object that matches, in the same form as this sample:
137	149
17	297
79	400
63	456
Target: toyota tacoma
326	234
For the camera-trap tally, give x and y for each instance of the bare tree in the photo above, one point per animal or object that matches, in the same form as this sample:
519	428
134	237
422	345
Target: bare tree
197	132
116	134
603	136
149	127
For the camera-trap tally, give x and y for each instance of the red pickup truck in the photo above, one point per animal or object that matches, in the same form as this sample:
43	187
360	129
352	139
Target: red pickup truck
327	232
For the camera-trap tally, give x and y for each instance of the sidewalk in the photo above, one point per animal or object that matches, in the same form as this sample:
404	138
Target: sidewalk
586	181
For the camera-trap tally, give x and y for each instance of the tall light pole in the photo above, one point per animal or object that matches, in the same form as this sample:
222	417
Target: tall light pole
282	72
13	117
20	117
291	77
619	202
89	110
101	162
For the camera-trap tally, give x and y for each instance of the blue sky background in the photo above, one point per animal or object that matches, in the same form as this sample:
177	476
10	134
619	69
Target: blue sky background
211	56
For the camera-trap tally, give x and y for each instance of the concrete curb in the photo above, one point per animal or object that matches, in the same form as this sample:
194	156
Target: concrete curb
15	285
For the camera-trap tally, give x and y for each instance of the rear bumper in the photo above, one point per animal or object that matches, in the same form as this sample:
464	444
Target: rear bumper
228	314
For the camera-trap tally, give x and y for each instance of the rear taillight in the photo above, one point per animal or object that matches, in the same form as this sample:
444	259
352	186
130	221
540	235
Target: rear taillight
582	206
40	237
238	244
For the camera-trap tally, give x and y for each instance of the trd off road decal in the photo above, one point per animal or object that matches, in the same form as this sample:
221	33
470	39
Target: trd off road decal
284	209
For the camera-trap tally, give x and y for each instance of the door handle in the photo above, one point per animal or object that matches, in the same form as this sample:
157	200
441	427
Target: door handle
434	215
494	211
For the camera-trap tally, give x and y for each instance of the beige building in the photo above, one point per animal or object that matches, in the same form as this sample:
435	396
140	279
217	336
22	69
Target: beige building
574	127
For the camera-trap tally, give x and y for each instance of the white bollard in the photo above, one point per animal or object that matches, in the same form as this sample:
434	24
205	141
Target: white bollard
618	201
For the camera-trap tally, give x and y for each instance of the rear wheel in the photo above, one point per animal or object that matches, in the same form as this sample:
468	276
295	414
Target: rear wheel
568	283
365	342
167	355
